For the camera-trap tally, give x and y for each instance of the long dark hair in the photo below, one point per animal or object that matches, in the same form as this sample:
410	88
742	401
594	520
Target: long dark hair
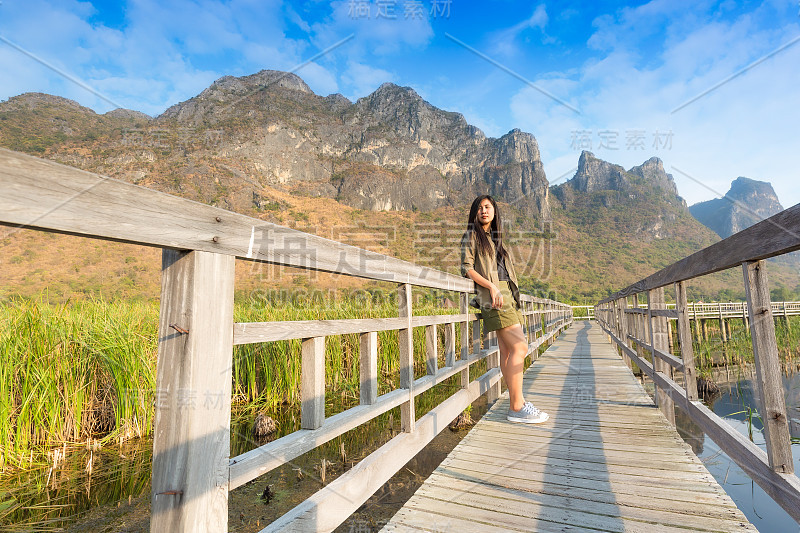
476	228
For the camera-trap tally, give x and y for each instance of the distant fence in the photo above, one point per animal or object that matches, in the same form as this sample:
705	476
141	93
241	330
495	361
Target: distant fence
583	312
192	468
636	320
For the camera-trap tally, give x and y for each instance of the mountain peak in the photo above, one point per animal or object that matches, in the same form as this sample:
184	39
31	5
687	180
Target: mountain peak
33	100
747	201
652	171
743	188
594	174
261	79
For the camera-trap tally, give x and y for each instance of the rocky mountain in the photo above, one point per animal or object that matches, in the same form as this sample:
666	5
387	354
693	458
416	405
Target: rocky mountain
599	185
747	202
37	122
385	172
390	150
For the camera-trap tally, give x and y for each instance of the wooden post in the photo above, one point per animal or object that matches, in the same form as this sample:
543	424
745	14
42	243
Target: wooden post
191	444
786	318
476	336
696	323
369	367
312	383
466	339
450	344
669	337
658	340
407	415
744	317
492	361
772	405
529	325
638	330
623	330
685	341
722	325
431	350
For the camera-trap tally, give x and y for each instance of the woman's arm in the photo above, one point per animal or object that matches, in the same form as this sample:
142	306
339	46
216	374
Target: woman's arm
497	296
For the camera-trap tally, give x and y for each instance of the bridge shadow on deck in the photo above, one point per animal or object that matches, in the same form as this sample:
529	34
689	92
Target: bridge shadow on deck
516	477
607	460
576	488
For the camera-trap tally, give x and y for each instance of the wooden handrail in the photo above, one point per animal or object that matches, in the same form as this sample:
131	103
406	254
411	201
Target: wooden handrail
644	326
43	195
777	235
196	336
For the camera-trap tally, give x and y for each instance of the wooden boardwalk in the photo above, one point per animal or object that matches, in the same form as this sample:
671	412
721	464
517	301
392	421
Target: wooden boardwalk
607	460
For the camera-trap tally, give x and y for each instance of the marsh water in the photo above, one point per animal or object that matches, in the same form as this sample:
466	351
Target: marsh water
108	489
736	403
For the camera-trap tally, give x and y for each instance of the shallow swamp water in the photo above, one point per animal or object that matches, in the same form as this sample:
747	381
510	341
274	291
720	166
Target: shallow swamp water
108	489
736	403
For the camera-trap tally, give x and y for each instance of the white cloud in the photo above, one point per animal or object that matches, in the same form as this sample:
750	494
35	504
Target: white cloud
377	31
321	80
362	79
506	42
165	52
746	126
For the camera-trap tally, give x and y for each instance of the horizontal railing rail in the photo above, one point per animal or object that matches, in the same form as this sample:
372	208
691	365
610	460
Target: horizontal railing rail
583	312
638	321
192	468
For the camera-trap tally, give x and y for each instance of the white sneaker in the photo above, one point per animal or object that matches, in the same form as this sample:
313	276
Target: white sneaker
527	415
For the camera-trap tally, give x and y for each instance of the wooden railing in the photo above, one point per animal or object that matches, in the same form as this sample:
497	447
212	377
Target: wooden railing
641	335
192	468
701	310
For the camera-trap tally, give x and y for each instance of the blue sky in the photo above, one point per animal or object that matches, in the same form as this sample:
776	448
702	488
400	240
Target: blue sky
709	87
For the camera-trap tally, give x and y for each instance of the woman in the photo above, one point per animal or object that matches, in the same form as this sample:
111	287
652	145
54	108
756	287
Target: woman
485	261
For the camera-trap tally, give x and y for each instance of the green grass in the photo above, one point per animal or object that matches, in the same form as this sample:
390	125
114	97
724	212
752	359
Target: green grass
86	370
73	372
738	348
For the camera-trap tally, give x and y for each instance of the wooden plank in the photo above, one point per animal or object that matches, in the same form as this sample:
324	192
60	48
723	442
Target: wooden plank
783	488
777	235
252	332
406	347
368	367
589	513
312	383
249	465
40	194
664	313
426	382
711	497
685	341
769	392
191	442
594	465
329	507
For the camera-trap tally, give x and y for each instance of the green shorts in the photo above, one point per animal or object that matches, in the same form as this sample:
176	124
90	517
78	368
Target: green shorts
508	315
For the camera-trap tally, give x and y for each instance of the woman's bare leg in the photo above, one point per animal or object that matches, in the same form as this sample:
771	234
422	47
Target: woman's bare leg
513	350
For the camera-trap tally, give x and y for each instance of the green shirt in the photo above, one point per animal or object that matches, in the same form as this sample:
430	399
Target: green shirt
486	266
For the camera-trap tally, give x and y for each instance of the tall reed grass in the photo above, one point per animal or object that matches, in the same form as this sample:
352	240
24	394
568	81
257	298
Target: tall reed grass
86	370
73	372
738	348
